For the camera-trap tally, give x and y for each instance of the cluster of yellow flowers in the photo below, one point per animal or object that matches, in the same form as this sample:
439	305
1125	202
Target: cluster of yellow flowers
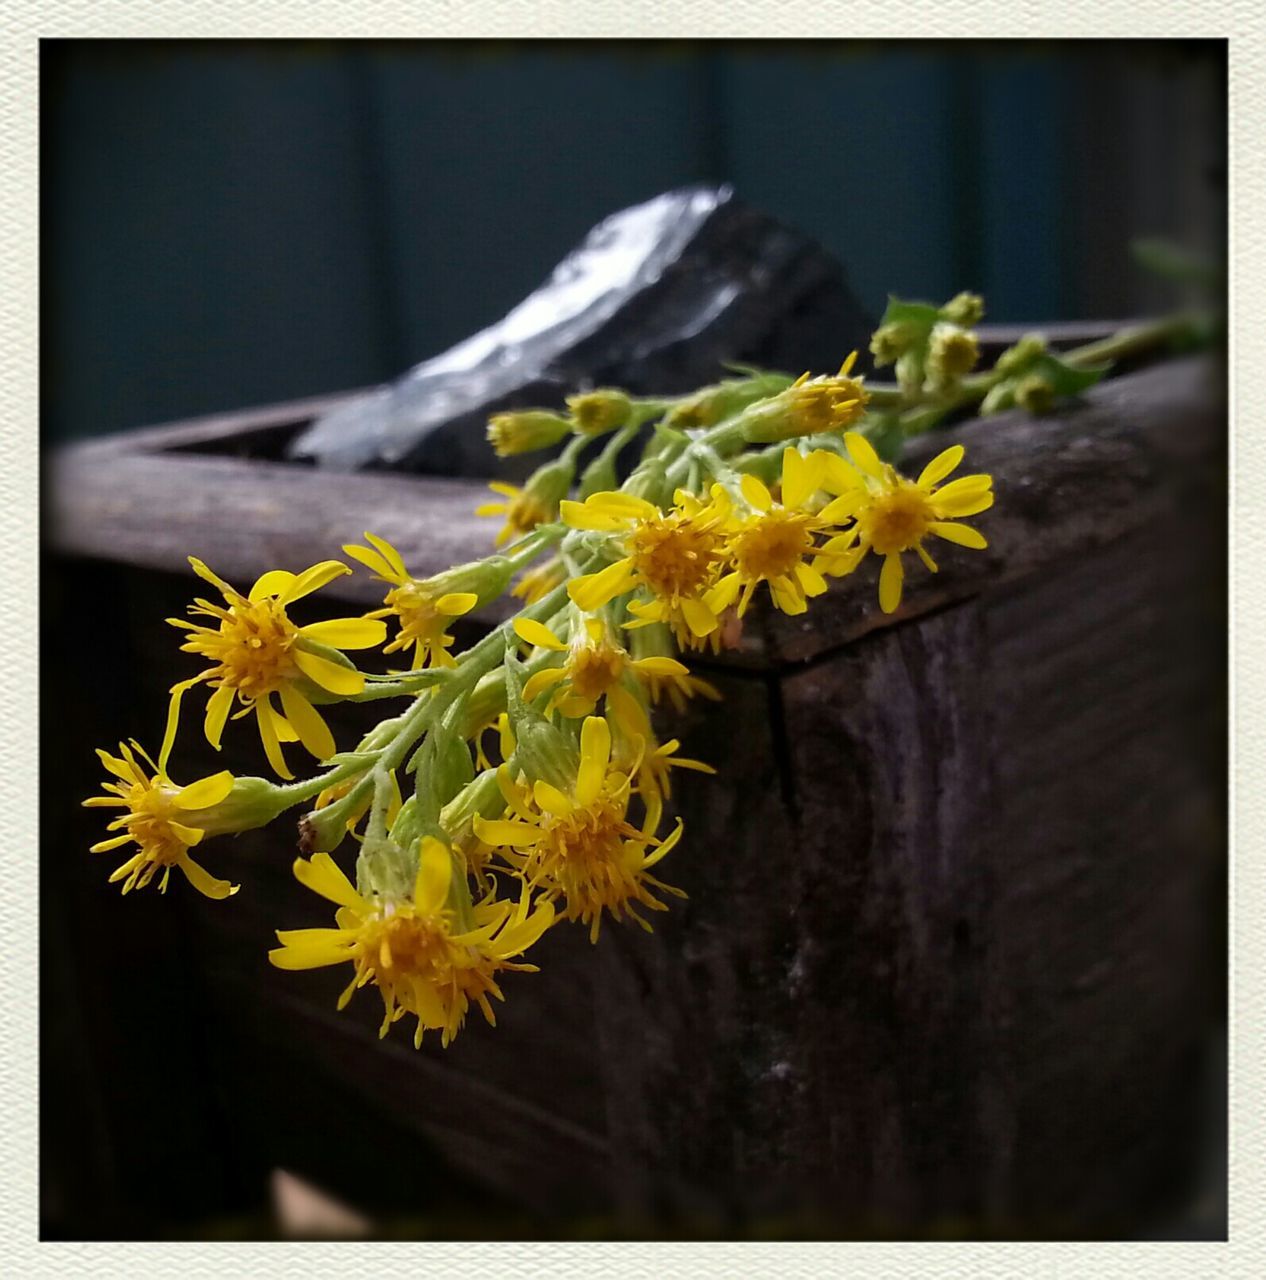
524	785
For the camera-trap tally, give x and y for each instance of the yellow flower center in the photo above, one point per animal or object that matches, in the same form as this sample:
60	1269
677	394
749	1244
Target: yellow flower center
419	618
526	512
675	556
251	648
896	519
825	405
772	544
414	961
592	669
583	854
149	824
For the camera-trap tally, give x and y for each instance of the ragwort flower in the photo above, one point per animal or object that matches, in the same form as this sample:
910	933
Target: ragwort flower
257	651
160	818
423	609
580	847
893	515
673	558
413	950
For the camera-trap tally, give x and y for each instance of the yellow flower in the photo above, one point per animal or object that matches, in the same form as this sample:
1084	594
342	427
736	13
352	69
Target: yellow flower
774	543
413	950
160	818
827	403
594	413
257	651
522	510
808	407
581	847
893	514
525	431
594	667
538	581
673	556
424	612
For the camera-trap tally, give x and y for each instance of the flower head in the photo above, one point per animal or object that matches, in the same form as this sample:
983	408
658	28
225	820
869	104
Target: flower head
672	558
424	608
809	406
256	651
522	510
952	352
893	515
580	846
594	413
593	668
525	431
777	542
538	581
160	818
414	950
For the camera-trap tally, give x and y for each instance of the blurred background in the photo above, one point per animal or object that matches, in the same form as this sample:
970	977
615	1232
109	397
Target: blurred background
232	224
228	225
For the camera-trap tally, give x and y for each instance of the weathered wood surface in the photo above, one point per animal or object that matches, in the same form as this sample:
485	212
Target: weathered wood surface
1067	483
955	899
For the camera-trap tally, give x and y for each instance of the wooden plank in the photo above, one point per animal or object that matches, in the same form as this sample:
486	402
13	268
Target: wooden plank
1078	479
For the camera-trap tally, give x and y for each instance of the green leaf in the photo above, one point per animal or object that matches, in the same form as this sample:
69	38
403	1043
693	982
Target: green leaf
1066	379
1170	261
919	315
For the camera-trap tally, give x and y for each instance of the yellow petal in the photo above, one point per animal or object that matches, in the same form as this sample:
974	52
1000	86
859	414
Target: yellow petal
844	507
699	618
890	579
371	560
538	634
323	875
435	873
455	603
313	579
963	503
863	454
756	493
940	466
205	883
389	554
190	835
661	666
537	683
595	753
207	576
205	792
266	718
501	831
520	936
963	534
306	958
218	706
551	799
329	675
723	594
273	583
801	476
596	589
307	722
579	515
811	581
347	633
838	476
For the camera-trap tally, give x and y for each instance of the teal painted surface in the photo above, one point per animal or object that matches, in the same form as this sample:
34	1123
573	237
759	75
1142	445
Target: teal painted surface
233	224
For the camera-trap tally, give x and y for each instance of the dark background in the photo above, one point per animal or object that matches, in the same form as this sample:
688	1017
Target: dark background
229	224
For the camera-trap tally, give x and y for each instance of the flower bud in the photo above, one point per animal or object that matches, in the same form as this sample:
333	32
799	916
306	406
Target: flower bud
952	352
594	413
541	749
1035	393
252	803
1017	358
891	341
525	431
711	405
965	310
